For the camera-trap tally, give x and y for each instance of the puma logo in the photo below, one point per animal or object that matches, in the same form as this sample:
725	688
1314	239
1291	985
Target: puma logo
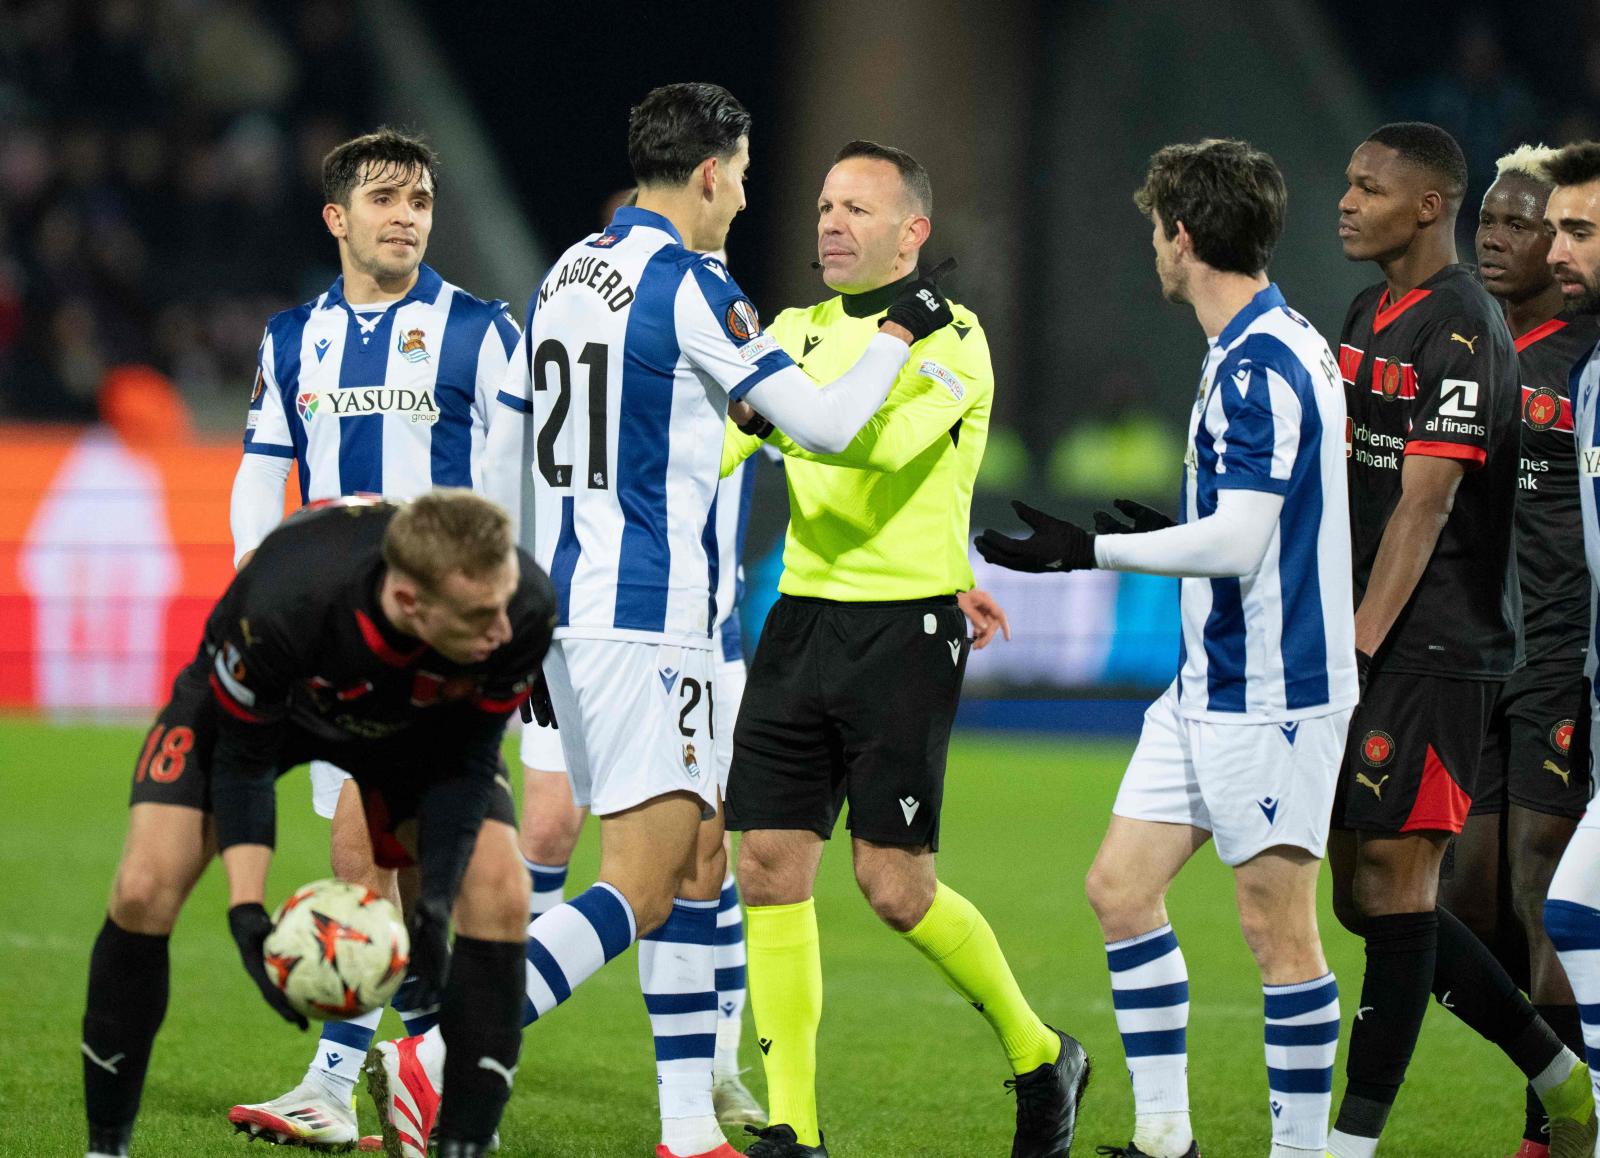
107	1064
1467	342
1551	767
1377	788
494	1067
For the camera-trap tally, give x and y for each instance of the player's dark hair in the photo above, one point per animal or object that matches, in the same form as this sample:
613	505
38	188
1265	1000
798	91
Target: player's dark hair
677	126
387	154
448	529
919	187
1576	164
1428	147
1228	195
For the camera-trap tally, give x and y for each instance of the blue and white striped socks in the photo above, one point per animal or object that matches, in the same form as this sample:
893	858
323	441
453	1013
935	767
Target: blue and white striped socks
344	1044
728	956
1302	1036
568	945
1150	993
679	983
549	884
1574	929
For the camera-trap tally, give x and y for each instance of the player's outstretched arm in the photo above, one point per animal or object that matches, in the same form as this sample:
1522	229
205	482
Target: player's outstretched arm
824	421
1225	544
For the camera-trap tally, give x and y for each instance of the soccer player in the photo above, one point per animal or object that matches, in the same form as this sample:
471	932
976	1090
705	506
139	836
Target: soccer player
1572	913
393	641
636	341
1245	745
382	385
1530	792
854	684
1431	388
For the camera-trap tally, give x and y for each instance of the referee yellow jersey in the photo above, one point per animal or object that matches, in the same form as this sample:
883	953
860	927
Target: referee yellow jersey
887	518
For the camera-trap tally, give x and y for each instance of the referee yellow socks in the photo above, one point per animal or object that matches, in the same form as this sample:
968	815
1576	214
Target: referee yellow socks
785	973
956	938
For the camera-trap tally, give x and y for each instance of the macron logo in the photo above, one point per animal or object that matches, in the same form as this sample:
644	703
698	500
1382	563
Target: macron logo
909	806
955	652
1269	808
669	676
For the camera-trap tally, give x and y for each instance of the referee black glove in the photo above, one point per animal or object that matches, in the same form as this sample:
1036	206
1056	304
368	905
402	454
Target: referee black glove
921	307
1144	519
1055	545
250	924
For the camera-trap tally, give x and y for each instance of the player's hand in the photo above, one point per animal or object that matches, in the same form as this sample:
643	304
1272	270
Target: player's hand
1143	519
1055	545
1363	670
429	926
986	616
921	309
250	924
538	706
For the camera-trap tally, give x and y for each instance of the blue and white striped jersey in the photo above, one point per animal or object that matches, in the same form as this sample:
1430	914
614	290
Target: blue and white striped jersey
634	346
391	401
1584	385
1279	643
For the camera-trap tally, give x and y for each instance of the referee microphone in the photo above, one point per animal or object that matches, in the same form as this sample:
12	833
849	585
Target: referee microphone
816	265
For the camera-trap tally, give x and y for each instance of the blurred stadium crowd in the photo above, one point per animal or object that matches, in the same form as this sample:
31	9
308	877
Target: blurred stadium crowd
156	161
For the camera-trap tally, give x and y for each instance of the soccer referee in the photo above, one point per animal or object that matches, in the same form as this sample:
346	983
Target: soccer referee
854	686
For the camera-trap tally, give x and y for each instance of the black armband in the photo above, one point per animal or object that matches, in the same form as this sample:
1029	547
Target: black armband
758	426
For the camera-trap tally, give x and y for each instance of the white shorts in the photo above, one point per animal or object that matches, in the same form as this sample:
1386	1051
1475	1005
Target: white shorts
1252	786
636	721
541	748
326	783
729	692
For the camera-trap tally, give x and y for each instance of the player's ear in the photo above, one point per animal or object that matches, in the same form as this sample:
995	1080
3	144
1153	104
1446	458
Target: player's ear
1429	207
708	177
333	218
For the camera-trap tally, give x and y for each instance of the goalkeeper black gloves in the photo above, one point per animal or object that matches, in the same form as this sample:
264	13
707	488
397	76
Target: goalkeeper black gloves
1055	545
250	924
537	705
921	307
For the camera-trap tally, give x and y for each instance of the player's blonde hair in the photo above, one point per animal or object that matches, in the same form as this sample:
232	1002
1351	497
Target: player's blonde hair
1532	161
448	529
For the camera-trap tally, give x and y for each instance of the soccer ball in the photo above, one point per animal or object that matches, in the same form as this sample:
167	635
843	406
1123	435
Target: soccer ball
337	950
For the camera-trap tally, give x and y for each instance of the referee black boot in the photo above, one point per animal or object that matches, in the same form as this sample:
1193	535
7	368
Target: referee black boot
1047	1102
1132	1151
779	1141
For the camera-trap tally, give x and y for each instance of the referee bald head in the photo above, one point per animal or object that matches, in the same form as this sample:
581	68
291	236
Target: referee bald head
872	217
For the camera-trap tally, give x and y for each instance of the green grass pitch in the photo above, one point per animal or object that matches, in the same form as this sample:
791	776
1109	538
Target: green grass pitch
906	1067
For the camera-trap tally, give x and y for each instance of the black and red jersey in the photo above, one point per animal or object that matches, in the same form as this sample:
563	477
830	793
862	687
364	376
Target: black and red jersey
1435	373
299	639
1555	583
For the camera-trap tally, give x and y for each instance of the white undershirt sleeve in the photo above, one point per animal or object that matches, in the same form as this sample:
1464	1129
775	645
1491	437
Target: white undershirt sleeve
1226	544
824	420
256	505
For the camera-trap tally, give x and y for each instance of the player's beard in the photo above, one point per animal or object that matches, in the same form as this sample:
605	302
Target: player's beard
1587	302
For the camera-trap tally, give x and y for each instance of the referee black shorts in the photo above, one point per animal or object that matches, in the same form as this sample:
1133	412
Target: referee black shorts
849	702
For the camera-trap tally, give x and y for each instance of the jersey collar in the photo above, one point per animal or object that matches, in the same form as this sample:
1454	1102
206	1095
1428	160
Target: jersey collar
864	305
630	215
1539	332
1270	298
426	289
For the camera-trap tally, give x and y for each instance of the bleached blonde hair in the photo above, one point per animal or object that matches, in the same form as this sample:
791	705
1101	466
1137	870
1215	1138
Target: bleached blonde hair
1532	161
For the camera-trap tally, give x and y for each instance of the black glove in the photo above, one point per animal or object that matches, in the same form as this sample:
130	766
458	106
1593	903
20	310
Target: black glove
1055	545
250	924
429	926
1363	670
537	705
921	307
758	426
1144	519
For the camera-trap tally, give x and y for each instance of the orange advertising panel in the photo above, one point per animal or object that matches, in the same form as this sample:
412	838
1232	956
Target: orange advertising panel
111	556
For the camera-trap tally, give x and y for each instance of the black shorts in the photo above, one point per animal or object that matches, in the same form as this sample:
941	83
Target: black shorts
1527	755
849	702
174	767
1411	762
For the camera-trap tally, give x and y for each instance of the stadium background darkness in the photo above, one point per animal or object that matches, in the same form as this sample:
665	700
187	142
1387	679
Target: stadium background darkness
158	196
